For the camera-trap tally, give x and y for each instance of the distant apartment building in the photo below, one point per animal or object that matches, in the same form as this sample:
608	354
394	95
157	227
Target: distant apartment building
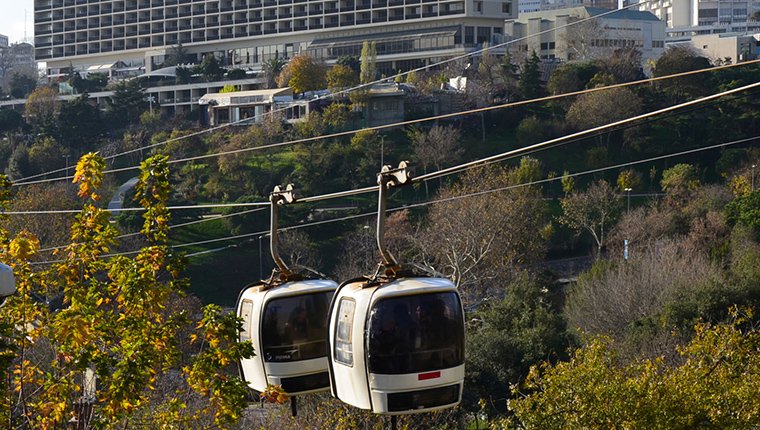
3	41
691	17
246	33
17	58
588	40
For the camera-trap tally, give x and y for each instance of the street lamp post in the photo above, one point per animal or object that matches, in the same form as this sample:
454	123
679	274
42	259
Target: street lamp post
627	211
753	176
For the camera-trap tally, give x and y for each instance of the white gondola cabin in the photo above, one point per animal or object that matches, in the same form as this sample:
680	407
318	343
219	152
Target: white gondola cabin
397	348
285	318
396	338
287	325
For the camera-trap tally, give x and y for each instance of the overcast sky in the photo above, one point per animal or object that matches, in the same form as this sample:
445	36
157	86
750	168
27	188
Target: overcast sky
12	19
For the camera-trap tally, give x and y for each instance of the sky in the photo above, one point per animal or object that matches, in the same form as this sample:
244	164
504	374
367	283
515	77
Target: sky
12	19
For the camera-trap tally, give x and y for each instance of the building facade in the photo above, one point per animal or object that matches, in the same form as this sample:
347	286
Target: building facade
692	17
246	33
723	48
589	40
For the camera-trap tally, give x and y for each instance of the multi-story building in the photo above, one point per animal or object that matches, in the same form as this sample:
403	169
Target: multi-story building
588	40
527	6
247	33
3	41
690	17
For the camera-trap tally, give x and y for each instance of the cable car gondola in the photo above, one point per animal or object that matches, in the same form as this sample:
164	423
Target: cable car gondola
396	338
286	319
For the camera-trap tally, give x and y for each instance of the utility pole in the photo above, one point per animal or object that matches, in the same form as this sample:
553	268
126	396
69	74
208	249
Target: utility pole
753	177
628	192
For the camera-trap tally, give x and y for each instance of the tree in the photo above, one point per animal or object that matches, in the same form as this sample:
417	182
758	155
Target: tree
628	178
117	327
127	102
603	107
530	85
210	68
677	59
507	337
708	388
624	65
272	68
679	182
571	77
368	61
22	84
177	55
340	77
481	260
306	74
80	123
580	40
10	120
41	110
593	211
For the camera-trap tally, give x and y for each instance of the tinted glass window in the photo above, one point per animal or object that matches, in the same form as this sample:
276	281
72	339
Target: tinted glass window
294	328
417	333
344	352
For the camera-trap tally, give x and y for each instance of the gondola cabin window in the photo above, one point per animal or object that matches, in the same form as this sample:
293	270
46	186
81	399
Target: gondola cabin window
245	314
294	327
416	333
344	331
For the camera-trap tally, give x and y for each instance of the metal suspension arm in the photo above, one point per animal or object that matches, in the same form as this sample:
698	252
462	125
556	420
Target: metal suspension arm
386	179
277	198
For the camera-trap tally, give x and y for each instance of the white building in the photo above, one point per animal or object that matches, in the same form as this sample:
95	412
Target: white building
719	47
687	17
589	40
246	33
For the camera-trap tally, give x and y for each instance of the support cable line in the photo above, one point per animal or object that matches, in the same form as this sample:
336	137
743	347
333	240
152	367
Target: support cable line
184	224
444	200
459	167
360	86
26	180
370	189
174	208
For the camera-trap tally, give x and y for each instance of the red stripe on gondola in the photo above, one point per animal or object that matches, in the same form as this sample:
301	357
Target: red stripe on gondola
429	375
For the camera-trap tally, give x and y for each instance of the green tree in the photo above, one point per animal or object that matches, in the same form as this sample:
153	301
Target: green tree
368	61
210	68
127	102
22	85
593	211
677	59
509	336
679	182
710	387
571	77
10	120
745	210
272	68
530	85
80	123
177	55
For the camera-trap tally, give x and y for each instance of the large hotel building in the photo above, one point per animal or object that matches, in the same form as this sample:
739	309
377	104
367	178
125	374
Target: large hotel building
138	34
